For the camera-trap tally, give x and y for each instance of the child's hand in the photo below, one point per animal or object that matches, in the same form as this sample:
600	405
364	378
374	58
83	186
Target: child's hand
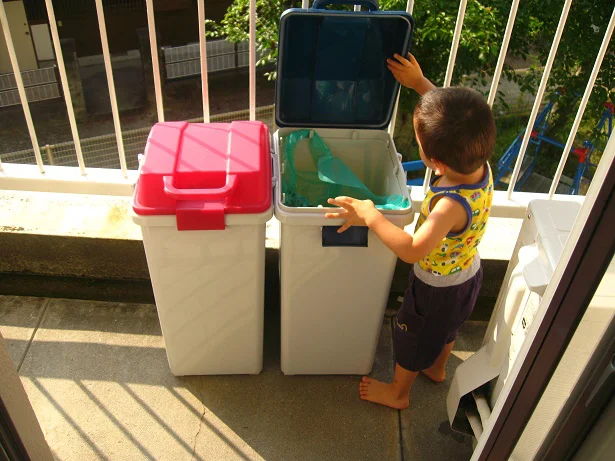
409	73
356	212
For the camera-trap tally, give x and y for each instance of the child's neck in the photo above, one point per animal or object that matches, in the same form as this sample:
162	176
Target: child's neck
452	178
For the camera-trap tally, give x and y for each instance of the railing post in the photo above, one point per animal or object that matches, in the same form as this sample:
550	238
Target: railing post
65	89
114	109
252	59
539	94
153	43
49	154
455	45
450	66
409	9
588	91
203	56
503	50
20	86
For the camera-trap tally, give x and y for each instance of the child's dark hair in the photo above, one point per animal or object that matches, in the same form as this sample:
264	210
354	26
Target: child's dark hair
456	127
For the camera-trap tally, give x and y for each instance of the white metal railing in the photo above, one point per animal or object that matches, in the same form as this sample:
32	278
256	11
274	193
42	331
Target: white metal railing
93	179
252	59
68	99
583	105
409	10
111	83
151	25
203	49
20	87
461	14
503	50
539	95
101	151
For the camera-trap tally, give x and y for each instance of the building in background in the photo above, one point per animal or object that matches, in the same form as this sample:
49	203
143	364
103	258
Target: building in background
176	21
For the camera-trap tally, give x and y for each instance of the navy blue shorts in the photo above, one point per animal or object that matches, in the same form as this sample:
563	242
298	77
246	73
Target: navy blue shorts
429	319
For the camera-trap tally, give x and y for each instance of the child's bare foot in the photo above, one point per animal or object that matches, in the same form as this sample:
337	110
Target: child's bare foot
436	376
382	393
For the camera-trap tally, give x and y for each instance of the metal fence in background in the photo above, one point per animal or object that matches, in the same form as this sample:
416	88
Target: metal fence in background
40	85
185	61
101	151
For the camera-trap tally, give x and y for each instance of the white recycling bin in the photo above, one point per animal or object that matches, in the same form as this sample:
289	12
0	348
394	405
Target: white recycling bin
333	81
539	247
202	200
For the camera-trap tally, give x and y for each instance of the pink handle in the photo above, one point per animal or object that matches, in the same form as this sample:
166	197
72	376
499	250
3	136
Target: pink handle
199	194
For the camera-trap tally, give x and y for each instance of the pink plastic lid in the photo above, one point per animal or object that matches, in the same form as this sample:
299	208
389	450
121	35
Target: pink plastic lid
202	171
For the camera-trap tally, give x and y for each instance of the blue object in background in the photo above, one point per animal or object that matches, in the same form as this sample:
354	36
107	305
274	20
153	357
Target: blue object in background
415	165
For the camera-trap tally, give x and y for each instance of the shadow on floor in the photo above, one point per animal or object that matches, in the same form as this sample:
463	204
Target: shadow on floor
98	379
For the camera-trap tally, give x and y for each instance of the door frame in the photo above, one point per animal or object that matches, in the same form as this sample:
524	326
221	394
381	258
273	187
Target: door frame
587	401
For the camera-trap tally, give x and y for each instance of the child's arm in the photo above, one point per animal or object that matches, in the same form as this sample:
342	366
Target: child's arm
409	73
446	215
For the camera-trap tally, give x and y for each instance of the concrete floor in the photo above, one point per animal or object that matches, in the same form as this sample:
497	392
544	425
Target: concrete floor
97	376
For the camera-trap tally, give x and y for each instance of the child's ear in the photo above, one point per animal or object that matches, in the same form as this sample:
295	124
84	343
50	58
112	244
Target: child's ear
440	168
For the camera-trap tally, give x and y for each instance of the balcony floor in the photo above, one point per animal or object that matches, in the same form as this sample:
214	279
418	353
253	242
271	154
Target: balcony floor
97	376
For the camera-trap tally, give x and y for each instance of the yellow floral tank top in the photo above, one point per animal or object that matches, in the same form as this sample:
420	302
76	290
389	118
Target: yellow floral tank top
457	250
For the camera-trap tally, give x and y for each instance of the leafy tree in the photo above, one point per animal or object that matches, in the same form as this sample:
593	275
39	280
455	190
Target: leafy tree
434	33
585	28
435	21
236	25
481	38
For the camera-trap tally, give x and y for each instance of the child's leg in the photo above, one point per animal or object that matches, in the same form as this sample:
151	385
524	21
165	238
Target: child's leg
437	372
394	395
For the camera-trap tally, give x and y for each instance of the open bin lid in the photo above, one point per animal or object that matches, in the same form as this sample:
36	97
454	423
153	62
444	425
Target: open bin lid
332	68
200	172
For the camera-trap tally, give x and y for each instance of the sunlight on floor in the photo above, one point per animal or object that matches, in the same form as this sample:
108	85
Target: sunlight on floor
113	420
98	379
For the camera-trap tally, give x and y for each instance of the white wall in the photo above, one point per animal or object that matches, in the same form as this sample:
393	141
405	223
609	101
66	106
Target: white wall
20	32
42	42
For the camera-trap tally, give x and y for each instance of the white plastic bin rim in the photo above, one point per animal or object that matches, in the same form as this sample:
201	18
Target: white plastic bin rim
230	220
316	215
553	221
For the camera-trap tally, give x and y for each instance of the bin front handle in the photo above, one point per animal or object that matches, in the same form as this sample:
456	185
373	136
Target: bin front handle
199	194
322	4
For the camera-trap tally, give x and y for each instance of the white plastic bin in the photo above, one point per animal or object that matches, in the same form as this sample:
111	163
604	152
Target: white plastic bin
332	78
333	296
202	200
539	247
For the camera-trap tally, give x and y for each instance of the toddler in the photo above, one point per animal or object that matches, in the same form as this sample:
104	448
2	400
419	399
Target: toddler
455	131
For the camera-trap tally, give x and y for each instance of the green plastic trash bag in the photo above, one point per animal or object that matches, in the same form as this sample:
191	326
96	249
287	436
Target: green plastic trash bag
331	179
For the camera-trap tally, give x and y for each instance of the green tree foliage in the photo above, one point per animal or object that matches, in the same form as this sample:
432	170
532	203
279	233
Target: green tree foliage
481	38
236	23
581	40
479	46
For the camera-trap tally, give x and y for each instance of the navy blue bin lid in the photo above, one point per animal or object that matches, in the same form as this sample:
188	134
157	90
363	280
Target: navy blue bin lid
332	67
